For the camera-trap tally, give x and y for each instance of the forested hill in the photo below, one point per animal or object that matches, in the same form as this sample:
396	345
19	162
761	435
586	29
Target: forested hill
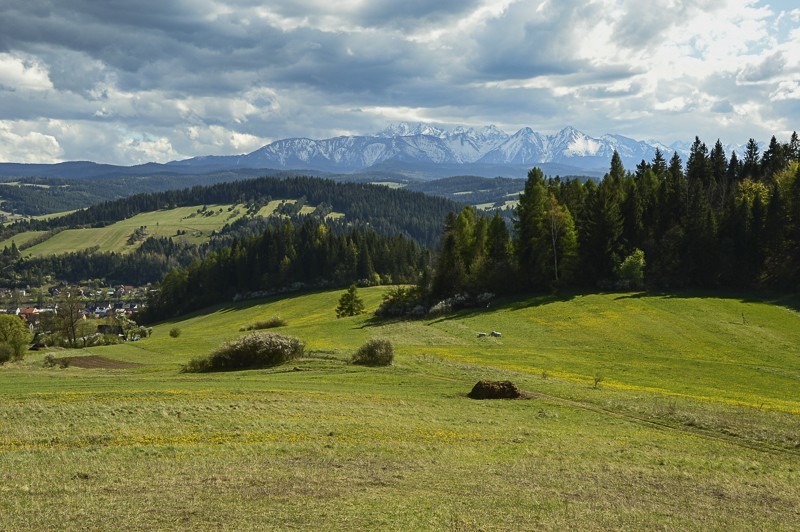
387	211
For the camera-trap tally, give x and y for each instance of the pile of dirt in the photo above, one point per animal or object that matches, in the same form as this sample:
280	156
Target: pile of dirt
495	390
98	362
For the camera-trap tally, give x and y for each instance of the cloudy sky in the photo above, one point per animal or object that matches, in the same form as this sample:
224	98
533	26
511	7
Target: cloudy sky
127	82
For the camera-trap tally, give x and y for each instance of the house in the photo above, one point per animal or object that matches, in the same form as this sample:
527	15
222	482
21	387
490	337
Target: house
29	314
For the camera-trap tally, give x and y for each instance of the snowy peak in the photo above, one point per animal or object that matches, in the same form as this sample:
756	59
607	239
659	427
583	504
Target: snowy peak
418	143
410	129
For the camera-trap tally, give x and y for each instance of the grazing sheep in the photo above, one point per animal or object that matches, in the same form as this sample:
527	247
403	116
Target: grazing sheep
496	334
481	335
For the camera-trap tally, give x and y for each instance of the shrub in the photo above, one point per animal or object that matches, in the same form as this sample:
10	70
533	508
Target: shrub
14	334
399	301
175	332
631	271
50	361
254	350
6	352
376	352
274	321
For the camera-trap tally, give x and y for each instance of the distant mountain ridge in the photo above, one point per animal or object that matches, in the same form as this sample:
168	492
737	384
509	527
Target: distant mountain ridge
409	149
425	145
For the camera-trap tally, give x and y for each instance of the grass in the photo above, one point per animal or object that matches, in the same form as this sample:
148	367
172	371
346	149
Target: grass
196	227
21	239
694	425
166	223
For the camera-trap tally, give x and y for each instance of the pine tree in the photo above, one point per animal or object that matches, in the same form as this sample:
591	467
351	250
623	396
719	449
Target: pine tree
498	268
350	304
601	246
659	165
751	164
794	147
773	160
530	240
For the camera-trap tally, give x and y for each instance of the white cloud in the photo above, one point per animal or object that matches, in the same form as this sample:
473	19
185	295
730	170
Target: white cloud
18	73
21	145
143	150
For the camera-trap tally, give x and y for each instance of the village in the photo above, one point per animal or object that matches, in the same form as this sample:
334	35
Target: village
72	316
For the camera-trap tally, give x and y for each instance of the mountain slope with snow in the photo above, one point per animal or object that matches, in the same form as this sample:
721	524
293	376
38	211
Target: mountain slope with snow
424	145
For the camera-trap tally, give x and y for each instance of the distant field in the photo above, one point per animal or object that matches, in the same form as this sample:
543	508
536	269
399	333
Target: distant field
695	423
196	227
21	239
508	204
390	184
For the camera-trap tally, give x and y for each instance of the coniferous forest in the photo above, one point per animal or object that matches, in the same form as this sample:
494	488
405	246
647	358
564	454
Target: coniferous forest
715	222
309	254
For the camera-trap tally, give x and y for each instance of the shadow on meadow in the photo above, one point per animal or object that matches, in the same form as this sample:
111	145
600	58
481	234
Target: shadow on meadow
790	301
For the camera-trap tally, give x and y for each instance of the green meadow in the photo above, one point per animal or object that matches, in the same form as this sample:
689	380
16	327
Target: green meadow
645	411
195	226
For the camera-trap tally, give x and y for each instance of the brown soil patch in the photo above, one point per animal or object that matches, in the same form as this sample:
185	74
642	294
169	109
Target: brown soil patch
98	362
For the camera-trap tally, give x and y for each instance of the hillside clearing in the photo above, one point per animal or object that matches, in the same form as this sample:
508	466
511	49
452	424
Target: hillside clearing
194	224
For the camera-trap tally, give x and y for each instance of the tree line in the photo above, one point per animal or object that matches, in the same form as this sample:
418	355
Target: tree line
286	254
718	221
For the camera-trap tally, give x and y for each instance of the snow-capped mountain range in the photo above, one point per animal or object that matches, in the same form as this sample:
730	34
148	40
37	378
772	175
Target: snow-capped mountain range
461	150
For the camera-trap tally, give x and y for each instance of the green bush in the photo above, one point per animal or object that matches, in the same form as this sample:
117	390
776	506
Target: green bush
376	352
631	271
175	332
6	352
274	321
254	350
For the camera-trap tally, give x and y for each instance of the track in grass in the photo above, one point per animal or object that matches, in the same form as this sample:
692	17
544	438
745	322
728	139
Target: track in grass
98	362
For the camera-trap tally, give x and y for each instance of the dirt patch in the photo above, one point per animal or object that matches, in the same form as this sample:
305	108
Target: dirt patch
495	390
98	362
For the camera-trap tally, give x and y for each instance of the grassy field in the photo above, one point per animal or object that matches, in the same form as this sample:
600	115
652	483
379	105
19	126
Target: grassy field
196	227
695	425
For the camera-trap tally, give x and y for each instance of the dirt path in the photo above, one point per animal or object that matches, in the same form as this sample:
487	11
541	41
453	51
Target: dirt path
98	362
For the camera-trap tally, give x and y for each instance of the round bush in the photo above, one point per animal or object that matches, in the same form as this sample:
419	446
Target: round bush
254	350
376	352
174	332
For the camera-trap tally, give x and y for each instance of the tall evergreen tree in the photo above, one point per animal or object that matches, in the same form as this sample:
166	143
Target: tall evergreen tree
659	165
498	267
601	248
751	164
773	160
530	241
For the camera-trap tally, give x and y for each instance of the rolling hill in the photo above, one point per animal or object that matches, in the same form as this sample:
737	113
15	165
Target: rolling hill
694	425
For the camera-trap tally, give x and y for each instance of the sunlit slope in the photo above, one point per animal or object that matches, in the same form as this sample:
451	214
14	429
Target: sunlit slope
194	224
700	347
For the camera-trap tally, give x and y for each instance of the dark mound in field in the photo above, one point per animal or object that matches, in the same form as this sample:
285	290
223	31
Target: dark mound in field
98	362
495	390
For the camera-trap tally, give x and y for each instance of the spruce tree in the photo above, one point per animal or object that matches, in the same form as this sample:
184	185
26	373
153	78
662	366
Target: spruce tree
350	304
529	221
